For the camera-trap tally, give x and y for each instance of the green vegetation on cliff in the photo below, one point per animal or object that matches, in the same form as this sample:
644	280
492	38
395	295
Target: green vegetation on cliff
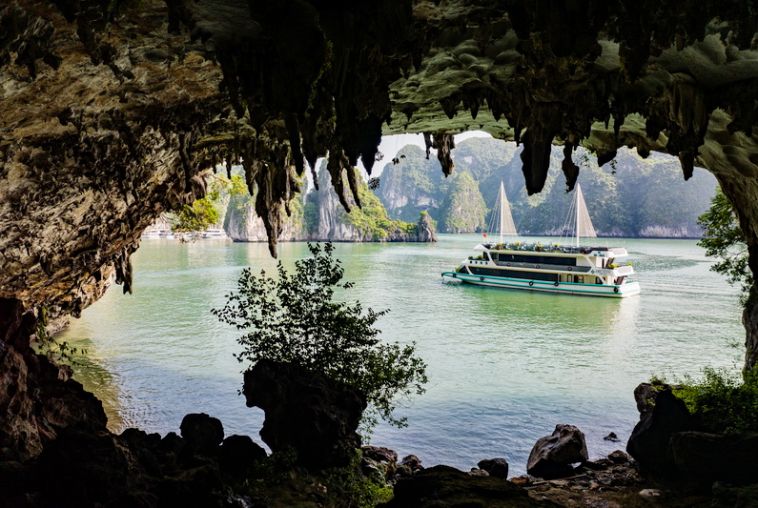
464	208
372	219
205	212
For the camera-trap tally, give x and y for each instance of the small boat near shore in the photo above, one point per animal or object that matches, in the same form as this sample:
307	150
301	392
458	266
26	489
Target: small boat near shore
553	268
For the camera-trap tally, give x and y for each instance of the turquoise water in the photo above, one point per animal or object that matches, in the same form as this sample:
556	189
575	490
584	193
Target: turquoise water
504	366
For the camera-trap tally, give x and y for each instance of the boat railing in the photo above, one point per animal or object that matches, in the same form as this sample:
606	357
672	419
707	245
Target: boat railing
618	271
538	247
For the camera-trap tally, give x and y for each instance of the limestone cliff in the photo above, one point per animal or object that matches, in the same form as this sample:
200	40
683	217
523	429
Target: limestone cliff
464	209
321	217
242	224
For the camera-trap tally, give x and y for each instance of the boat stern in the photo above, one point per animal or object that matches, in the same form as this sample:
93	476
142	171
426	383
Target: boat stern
628	289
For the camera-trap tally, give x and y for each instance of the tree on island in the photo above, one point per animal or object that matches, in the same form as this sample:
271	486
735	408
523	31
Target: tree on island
294	319
723	238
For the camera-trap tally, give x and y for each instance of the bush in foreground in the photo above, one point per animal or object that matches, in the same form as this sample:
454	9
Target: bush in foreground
295	319
722	403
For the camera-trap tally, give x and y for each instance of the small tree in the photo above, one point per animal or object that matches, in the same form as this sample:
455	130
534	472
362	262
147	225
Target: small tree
295	319
723	239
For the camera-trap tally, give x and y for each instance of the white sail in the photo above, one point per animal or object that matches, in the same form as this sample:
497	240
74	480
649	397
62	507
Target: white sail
507	226
583	225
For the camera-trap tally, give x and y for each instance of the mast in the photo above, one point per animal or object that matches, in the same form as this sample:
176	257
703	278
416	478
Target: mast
502	199
576	211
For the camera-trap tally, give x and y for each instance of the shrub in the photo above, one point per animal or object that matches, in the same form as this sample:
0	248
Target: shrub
721	402
294	319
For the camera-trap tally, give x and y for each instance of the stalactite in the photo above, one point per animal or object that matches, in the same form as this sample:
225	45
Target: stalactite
570	169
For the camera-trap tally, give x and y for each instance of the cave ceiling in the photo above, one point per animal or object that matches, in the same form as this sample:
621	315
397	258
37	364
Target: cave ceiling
110	111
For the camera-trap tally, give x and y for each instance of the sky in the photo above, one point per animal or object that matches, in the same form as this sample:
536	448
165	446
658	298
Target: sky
390	145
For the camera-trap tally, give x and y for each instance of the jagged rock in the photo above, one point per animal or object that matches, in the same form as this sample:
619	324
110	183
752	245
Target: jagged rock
645	395
649	443
552	456
412	462
202	433
612	437
475	471
618	457
497	468
37	398
379	461
732	458
315	416
239	453
85	468
444	486
425	228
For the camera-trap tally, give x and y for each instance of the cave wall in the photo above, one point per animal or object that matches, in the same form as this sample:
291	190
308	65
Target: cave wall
95	137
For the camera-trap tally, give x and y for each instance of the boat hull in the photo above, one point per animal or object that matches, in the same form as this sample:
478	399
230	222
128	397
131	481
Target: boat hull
599	290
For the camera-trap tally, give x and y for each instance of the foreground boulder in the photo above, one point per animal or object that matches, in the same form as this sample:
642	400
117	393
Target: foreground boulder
497	468
444	486
649	442
306	412
202	433
239	454
552	456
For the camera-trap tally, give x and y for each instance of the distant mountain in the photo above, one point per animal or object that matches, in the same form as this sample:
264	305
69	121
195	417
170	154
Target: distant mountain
630	197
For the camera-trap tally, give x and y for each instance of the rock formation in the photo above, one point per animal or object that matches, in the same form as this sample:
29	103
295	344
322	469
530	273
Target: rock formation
552	456
37	398
307	413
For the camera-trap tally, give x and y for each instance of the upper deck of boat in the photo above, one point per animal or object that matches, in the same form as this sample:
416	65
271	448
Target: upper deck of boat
555	249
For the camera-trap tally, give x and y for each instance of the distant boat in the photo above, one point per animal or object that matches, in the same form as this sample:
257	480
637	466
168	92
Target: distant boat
214	233
569	269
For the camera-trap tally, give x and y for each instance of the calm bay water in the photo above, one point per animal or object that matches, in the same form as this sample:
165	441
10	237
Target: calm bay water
504	366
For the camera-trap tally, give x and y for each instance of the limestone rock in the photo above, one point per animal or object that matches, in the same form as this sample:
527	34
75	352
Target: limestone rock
497	468
37	398
239	453
379	462
425	229
650	439
202	433
552	456
446	487
306	412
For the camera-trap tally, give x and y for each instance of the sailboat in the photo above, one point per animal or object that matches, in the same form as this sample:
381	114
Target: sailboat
570	269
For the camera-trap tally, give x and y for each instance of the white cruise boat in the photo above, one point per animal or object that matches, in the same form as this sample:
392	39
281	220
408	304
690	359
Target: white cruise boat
554	268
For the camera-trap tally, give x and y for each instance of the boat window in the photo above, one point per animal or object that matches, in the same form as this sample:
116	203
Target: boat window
598	280
537	260
514	274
